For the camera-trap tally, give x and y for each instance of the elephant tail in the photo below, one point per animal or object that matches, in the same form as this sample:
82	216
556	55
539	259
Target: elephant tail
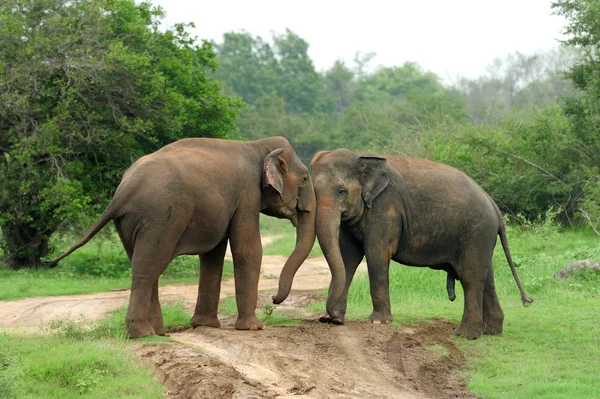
107	216
504	240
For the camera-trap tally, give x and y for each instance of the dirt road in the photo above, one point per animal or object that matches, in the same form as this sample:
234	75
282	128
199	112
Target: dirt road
313	360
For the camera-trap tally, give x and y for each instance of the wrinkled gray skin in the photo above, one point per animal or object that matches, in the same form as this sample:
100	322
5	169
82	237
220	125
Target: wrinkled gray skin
192	197
416	212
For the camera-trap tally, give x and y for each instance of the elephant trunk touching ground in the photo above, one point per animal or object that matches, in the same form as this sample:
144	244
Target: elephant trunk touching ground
328	230
305	239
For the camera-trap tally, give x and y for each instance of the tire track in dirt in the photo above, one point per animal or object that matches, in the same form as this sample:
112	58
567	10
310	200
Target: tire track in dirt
314	360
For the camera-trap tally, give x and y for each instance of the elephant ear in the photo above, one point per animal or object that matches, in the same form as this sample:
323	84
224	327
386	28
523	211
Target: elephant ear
274	169
374	177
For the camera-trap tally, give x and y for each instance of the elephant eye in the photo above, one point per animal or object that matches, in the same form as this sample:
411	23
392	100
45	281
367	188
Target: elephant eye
342	191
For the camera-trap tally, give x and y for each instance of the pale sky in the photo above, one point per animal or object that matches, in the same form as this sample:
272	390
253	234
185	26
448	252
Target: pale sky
448	37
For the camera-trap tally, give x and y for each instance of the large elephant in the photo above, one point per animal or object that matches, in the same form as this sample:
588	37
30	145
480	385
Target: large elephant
416	212
192	197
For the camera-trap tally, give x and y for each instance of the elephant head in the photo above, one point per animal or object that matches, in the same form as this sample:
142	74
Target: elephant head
346	185
288	193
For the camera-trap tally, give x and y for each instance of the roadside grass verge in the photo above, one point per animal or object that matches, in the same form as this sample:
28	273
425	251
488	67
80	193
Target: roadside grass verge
69	278
78	359
550	349
102	265
59	367
99	266
286	243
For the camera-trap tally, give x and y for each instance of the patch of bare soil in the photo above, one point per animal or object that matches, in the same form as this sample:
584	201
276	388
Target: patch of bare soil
189	373
313	360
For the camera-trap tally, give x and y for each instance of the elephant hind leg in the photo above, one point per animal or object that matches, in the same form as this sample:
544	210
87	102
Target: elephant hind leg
151	256
473	278
493	316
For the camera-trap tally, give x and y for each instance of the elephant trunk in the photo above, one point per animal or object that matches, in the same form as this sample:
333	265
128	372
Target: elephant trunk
328	234
305	239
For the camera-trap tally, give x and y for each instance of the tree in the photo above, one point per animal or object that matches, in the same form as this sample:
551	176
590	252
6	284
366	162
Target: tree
340	85
247	65
518	81
86	87
252	68
584	110
421	93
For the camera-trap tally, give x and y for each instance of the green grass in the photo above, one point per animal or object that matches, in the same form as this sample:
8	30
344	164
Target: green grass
59	367
550	349
286	243
101	265
79	359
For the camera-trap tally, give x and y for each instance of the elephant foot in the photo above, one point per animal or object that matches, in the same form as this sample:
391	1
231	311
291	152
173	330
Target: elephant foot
205	320
158	326
338	320
138	329
160	330
380	318
249	323
491	328
469	332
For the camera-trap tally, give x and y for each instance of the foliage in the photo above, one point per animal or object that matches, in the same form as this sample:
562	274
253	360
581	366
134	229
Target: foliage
252	68
511	159
583	31
516	82
85	88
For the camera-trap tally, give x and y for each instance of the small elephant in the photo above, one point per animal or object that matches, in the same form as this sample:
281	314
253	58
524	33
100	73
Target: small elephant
192	197
418	213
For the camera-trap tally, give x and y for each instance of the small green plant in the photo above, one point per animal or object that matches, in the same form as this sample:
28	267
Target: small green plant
77	330
268	309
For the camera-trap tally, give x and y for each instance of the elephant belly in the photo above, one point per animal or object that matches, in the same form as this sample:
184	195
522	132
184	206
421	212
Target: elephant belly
203	235
428	251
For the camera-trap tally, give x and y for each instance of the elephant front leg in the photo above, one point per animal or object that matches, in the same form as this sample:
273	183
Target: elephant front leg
378	266
209	287
246	249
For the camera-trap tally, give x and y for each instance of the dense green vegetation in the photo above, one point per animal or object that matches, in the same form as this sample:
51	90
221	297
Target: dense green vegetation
526	130
85	88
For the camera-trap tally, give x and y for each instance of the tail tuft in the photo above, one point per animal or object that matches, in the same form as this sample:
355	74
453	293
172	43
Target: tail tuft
526	300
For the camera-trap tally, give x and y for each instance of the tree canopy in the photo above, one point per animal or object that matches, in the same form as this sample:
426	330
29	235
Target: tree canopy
86	87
